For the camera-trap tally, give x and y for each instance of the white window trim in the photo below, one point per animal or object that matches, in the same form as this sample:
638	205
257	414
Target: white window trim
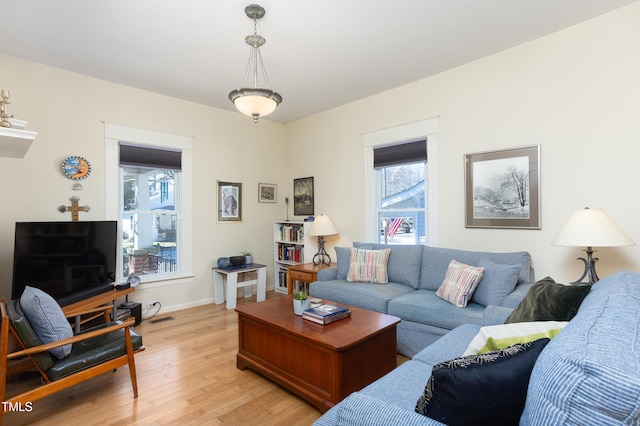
114	134
427	129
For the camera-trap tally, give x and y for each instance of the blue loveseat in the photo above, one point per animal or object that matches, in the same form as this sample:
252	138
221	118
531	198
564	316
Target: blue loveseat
415	272
589	374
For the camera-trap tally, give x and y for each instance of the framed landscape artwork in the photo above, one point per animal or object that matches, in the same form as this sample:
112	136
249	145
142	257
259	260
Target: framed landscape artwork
303	196
502	188
229	201
267	193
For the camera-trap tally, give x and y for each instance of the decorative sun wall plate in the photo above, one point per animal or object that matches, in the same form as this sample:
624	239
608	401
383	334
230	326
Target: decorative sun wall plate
76	167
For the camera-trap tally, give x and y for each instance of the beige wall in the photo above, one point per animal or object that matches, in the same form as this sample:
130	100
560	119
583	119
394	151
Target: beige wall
68	111
576	93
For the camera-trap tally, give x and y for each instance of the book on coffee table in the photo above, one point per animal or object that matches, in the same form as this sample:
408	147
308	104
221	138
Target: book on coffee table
324	314
327	320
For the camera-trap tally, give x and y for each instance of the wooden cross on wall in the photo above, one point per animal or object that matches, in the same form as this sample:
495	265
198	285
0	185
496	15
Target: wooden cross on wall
74	208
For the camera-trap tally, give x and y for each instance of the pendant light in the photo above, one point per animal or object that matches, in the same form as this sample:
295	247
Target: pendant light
255	101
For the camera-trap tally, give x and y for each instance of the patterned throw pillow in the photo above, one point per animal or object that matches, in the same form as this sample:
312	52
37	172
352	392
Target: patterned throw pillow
459	283
487	389
368	266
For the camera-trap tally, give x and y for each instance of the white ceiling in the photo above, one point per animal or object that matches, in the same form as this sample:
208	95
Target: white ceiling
318	54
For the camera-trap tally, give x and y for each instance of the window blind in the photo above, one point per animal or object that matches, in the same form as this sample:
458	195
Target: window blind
150	158
404	153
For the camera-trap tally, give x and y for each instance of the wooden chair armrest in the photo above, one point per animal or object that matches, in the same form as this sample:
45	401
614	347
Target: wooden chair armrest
77	338
102	308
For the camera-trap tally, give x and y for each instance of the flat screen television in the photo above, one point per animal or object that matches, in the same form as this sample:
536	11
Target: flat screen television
71	261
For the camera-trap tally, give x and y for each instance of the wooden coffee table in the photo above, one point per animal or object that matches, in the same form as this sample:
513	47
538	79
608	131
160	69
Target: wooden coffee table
322	364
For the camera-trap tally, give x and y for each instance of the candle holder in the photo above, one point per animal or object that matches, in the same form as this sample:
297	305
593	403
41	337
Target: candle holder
4	116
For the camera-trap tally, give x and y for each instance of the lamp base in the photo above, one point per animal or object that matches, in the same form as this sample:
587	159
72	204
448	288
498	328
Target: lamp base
589	269
321	257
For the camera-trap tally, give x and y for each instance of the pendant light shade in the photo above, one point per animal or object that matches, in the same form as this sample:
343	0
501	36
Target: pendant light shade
255	101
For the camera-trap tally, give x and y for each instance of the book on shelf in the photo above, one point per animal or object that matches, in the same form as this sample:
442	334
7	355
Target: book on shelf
282	277
290	253
292	233
325	311
326	320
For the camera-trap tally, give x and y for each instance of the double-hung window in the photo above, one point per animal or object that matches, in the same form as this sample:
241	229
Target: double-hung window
401	189
150	209
400	177
149	190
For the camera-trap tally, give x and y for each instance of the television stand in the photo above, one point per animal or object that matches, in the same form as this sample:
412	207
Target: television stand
92	302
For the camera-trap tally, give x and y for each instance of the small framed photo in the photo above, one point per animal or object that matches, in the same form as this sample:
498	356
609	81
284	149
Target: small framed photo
267	192
229	201
502	189
303	196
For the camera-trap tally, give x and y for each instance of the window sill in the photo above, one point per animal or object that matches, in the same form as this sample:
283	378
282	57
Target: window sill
165	281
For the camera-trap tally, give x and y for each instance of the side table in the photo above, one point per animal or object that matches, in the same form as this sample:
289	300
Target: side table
304	272
235	277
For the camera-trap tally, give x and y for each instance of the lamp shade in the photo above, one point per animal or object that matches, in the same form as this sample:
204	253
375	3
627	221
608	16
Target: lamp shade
322	225
591	228
255	102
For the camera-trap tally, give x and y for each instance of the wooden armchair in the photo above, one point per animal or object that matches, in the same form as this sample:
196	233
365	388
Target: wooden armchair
94	351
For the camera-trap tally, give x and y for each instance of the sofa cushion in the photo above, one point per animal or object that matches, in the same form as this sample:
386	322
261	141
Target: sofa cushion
460	281
449	346
481	389
359	409
496	337
404	262
369	266
94	351
423	306
588	375
548	301
374	297
27	335
47	319
435	261
498	281
343	257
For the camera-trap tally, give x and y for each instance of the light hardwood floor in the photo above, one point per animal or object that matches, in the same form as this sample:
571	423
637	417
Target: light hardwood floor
186	376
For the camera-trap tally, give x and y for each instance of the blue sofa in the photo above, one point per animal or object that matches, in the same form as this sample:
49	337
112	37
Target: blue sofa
415	273
589	374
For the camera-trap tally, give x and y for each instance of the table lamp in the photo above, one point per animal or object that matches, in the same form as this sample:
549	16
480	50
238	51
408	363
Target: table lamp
321	227
591	228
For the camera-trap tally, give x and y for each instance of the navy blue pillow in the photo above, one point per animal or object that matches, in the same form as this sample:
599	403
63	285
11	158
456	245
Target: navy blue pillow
481	389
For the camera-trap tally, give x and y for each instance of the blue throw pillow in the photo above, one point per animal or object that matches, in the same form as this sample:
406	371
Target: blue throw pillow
343	259
498	281
47	319
487	389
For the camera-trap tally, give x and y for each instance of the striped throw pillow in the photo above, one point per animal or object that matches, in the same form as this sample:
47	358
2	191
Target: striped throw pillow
459	283
368	266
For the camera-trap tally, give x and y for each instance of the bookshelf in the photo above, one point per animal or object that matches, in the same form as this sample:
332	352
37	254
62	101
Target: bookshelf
292	245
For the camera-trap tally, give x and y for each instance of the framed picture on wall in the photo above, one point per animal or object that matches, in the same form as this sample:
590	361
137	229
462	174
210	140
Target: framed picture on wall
229	201
303	196
267	193
502	188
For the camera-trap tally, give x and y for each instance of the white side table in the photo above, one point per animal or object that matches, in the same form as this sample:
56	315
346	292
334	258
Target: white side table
234	278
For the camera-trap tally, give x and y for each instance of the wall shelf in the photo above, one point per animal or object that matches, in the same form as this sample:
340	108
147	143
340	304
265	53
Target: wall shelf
15	141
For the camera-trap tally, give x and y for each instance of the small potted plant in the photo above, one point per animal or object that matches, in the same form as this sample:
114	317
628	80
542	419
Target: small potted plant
301	303
248	257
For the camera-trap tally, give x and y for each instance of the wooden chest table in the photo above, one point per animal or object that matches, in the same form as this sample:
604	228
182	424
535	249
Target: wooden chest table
322	364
